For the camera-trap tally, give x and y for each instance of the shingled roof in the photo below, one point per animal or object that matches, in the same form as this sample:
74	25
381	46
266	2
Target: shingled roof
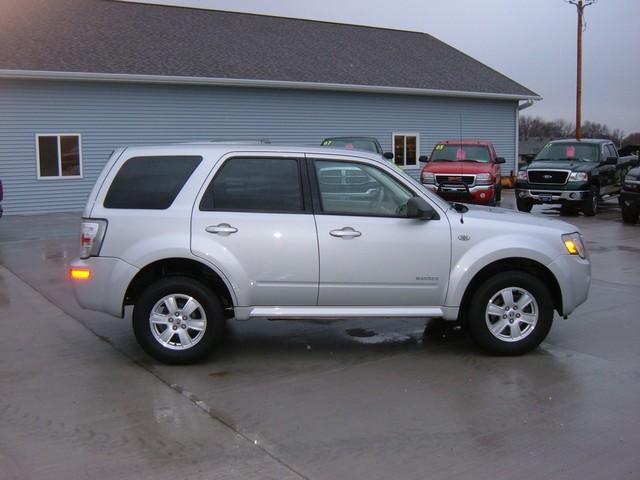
119	40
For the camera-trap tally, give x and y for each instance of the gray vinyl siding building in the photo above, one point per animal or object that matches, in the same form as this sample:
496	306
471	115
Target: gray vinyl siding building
139	105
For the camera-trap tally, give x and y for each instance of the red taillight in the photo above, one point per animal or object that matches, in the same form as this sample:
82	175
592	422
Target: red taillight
91	235
80	273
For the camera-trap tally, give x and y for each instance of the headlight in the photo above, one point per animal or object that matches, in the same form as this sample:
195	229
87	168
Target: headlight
522	175
573	244
428	177
578	177
484	179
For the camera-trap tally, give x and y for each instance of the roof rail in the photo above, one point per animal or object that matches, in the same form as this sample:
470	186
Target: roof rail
243	141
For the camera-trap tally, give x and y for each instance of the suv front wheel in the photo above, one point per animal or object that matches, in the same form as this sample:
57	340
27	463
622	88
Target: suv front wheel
177	320
510	313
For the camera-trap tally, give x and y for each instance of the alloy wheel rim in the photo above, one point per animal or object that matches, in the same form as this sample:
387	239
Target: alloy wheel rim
512	314
178	321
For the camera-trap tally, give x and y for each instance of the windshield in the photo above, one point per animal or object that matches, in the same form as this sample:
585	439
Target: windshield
460	153
351	144
583	152
442	203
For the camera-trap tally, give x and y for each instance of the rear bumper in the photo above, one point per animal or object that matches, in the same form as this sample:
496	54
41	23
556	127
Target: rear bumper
574	277
105	289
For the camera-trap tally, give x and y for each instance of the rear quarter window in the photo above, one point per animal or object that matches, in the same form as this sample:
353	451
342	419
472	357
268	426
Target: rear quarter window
150	183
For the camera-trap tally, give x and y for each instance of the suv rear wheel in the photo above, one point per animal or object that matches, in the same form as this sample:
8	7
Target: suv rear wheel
510	313
177	320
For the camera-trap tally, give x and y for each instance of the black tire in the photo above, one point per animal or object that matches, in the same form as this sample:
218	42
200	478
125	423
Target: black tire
498	193
181	288
478	319
524	205
590	204
566	209
630	214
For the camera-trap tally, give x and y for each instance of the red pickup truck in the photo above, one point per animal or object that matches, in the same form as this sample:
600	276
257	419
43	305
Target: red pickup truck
465	171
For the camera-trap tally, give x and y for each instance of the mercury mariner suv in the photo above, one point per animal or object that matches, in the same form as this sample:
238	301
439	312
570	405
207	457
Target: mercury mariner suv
192	235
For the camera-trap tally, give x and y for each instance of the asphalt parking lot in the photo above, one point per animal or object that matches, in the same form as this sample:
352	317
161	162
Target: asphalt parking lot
373	399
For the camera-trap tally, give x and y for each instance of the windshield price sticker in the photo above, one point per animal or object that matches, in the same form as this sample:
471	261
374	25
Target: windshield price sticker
439	147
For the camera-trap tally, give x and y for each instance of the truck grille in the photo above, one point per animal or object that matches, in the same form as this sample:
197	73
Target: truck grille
552	177
468	179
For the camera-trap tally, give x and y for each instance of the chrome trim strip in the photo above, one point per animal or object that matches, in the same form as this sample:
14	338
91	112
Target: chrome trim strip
344	312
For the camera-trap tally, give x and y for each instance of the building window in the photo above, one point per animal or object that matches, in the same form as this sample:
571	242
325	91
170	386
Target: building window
405	148
59	156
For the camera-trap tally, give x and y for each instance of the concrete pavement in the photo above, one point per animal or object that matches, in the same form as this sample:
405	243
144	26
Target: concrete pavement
373	399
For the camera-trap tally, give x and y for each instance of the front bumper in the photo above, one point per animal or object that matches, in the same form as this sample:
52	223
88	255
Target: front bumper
455	193
551	196
574	278
630	199
104	290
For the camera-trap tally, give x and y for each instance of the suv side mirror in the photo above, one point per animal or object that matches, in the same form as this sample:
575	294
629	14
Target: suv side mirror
388	155
500	160
423	158
611	161
418	207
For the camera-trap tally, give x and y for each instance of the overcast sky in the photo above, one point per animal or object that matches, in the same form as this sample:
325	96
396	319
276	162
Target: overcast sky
531	41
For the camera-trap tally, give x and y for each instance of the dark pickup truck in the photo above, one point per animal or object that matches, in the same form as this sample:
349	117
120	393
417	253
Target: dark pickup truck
573	173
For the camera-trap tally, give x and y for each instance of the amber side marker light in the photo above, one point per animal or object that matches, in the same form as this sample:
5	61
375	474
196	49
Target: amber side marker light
571	247
80	273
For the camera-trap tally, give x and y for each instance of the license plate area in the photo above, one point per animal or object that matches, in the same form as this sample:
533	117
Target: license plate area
545	198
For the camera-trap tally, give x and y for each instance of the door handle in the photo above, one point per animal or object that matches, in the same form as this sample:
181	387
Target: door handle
221	229
346	232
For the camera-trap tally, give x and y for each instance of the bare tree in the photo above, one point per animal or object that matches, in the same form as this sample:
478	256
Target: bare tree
631	139
531	127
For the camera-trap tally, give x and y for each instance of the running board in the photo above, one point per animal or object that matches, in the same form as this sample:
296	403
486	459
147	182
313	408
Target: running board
344	312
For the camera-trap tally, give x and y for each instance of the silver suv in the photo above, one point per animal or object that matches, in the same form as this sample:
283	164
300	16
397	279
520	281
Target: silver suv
192	235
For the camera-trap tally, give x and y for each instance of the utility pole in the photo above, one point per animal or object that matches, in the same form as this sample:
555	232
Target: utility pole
580	6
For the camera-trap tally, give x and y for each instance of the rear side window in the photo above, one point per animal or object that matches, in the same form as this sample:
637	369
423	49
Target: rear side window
256	184
150	183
